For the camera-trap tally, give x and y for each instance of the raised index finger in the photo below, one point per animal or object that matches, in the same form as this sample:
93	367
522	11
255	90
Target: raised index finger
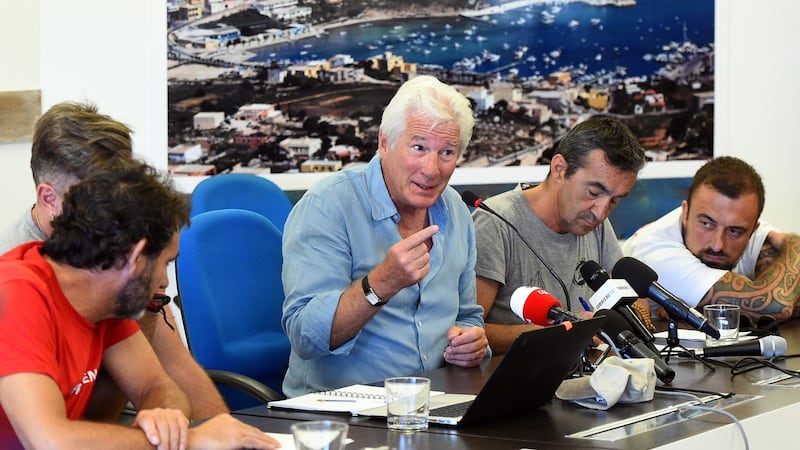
422	235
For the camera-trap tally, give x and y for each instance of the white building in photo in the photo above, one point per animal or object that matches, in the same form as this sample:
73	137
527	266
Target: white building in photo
257	112
207	120
301	147
185	153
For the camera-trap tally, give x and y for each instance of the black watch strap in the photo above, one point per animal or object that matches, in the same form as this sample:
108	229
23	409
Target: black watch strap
371	296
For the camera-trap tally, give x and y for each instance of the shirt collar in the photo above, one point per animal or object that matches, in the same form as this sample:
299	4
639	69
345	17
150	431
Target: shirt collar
380	201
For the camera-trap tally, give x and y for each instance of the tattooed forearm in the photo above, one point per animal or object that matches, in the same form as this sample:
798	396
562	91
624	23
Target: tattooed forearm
773	292
766	257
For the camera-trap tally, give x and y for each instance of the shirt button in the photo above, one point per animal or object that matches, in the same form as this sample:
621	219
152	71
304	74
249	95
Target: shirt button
424	357
419	323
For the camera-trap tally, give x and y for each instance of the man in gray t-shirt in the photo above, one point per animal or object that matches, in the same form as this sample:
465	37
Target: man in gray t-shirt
564	218
22	230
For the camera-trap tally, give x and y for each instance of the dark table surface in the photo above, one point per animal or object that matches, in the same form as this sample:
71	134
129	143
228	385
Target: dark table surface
549	426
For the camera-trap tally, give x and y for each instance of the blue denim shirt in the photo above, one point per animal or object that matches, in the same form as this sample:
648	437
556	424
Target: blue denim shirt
337	233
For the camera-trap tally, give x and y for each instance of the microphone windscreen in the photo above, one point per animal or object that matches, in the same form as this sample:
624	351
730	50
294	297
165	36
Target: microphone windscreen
772	346
470	198
614	323
638	274
533	304
593	274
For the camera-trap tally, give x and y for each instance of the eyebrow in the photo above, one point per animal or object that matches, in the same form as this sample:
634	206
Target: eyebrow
706	216
731	227
600	186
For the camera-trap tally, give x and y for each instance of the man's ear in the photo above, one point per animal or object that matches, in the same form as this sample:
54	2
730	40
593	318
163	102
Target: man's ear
758	224
558	167
47	196
383	142
684	211
136	257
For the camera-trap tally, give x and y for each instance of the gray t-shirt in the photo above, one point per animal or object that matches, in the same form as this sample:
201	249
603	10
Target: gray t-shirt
503	257
22	231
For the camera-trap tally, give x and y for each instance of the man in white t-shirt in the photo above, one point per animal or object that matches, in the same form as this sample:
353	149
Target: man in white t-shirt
714	249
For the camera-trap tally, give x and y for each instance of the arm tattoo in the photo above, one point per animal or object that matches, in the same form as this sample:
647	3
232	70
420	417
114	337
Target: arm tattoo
773	291
766	257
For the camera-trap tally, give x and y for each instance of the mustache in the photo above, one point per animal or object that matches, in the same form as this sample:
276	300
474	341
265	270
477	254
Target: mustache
710	252
590	217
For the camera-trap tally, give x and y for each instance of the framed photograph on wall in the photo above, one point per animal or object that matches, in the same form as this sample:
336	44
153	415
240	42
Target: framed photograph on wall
293	90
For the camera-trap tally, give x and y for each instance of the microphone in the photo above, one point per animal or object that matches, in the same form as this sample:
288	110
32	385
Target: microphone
644	282
615	294
767	346
471	199
609	292
631	346
537	306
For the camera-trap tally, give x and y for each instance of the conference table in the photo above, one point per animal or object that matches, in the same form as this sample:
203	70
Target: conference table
765	405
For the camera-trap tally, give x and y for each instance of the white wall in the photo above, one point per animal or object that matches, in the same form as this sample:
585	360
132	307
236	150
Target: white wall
19	33
758	96
112	53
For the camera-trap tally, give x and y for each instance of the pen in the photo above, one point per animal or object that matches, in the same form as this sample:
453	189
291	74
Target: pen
585	305
337	400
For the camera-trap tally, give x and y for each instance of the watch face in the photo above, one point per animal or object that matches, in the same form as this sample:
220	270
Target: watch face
371	296
373	299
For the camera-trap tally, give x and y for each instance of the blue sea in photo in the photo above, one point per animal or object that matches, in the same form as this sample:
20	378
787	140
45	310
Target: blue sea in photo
591	39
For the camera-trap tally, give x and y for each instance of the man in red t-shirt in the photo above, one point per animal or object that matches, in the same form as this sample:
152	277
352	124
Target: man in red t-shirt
70	302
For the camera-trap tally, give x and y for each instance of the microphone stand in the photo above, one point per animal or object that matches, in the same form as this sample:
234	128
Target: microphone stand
673	342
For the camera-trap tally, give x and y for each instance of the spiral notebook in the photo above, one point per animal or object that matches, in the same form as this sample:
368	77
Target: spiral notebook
350	399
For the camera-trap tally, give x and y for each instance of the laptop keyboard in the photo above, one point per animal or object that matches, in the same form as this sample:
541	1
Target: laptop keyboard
454	410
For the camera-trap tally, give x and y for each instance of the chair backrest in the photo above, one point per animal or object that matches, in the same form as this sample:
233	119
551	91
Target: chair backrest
229	282
242	191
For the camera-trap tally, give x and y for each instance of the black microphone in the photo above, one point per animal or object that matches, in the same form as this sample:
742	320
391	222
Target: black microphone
644	281
631	346
471	199
593	274
767	346
614	291
596	278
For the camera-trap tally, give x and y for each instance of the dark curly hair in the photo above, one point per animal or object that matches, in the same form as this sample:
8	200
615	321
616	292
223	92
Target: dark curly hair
731	177
109	211
604	133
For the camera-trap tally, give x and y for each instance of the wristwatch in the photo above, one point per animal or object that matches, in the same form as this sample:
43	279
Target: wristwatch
371	296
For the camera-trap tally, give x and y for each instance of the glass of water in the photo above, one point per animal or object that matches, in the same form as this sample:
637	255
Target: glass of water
407	403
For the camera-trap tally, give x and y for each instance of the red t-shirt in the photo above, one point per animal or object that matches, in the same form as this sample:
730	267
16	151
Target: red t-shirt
40	332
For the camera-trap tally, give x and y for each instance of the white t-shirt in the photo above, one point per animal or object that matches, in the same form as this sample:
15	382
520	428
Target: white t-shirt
660	245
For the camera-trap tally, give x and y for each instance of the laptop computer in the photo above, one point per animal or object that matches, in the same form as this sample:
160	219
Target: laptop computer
525	379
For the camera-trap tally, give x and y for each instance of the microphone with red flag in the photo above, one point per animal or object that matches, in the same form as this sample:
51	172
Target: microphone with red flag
537	306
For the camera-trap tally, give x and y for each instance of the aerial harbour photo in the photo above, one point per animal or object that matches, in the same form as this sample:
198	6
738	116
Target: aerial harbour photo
282	86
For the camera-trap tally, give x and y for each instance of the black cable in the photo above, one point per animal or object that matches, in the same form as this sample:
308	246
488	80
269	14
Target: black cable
750	363
471	199
697	391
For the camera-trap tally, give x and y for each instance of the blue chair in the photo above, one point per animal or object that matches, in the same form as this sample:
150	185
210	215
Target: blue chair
242	191
231	295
